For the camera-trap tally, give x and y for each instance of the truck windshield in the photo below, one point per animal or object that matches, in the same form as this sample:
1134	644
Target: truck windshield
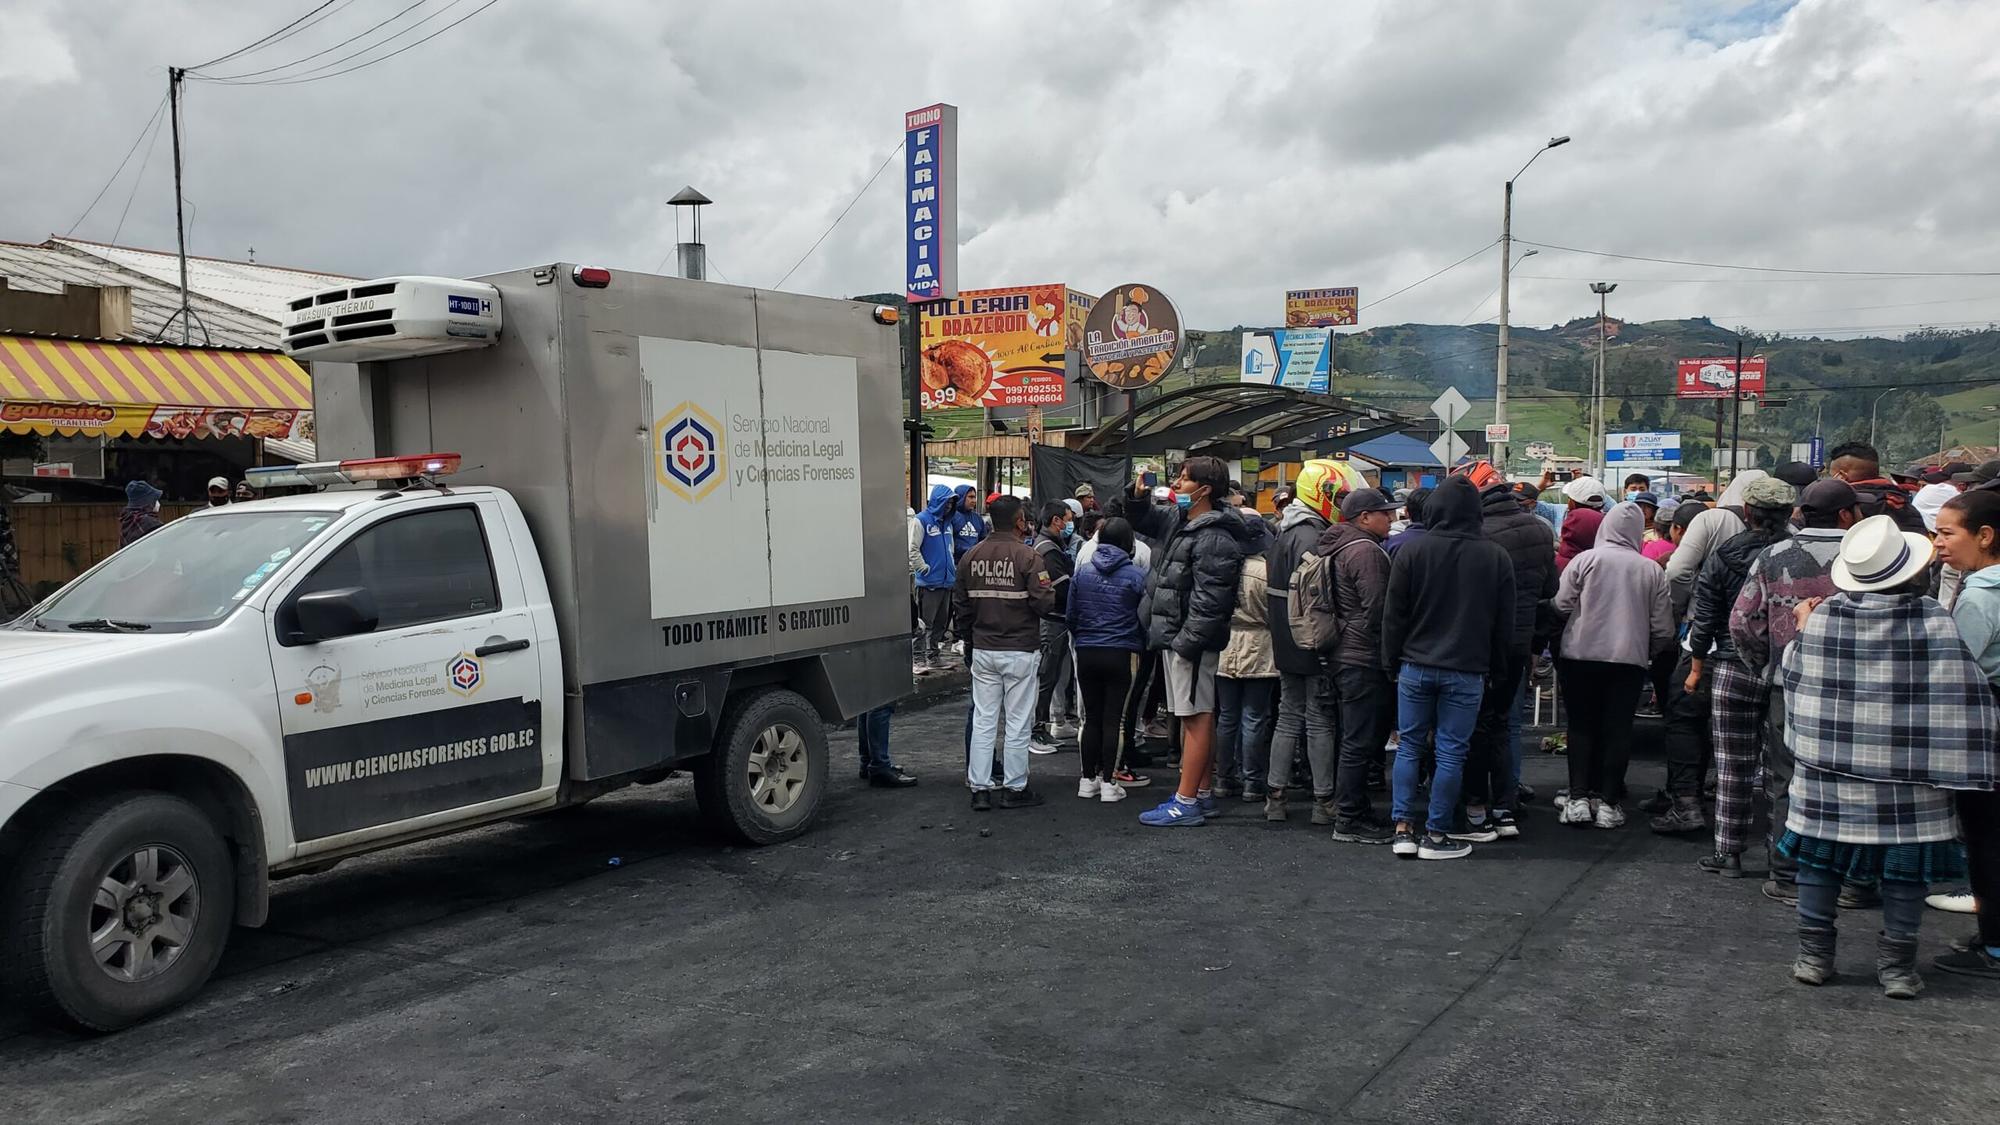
186	576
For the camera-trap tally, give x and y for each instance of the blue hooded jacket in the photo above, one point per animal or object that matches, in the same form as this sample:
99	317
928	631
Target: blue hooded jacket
939	527
968	528
1104	600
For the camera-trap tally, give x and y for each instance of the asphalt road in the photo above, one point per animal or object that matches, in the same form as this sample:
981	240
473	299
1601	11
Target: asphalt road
613	964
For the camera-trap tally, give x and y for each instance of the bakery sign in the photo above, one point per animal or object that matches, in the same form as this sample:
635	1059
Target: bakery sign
1000	347
1132	337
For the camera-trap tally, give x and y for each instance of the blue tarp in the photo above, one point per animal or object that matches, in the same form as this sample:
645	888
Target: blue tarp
1400	450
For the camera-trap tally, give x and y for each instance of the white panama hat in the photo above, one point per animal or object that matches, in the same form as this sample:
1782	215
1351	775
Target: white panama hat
1875	554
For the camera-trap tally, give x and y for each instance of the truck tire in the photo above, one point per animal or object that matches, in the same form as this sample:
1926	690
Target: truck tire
117	911
763	781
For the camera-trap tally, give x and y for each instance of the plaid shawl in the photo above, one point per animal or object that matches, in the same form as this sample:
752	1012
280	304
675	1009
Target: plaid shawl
1879	688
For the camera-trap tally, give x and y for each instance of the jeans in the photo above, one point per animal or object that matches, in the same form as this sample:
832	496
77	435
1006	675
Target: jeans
1489	777
1054	660
1690	723
1243	721
1105	677
1305	707
934	612
1002	682
871	736
1446	702
1819	902
1367	707
1601	698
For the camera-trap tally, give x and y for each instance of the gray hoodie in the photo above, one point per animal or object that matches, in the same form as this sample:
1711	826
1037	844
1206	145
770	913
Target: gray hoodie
1616	598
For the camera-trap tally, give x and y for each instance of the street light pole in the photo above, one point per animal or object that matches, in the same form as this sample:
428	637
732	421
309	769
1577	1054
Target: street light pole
1598	454
1499	451
1736	414
1871	416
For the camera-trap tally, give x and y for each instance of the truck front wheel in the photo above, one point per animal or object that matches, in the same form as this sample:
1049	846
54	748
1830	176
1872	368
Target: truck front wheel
763	781
118	910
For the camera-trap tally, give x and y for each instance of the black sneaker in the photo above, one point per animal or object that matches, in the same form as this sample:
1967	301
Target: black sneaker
1786	892
1684	819
1022	798
1434	846
1729	865
982	800
1974	962
1362	830
1404	843
1503	822
1524	792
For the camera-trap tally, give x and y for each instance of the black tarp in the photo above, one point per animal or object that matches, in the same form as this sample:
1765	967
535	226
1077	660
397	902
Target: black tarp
1055	473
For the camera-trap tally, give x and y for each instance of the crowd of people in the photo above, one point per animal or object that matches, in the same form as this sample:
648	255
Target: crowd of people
1829	645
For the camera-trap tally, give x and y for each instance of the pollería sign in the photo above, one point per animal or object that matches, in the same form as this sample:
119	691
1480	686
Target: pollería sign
930	182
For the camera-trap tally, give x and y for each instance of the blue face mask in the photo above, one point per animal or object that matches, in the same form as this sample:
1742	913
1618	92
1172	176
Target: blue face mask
1069	531
1183	499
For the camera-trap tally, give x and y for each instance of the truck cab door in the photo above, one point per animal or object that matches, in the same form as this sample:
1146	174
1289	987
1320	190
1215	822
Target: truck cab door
409	686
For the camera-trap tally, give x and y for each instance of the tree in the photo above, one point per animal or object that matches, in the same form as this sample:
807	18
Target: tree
1649	418
1625	417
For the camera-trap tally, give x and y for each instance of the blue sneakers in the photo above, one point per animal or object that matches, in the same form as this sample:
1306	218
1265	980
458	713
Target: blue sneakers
1171	813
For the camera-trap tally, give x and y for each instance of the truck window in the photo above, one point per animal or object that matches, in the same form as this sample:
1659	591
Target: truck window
186	576
423	567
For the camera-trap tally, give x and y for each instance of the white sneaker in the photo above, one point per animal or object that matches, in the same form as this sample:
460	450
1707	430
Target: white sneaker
1060	730
1610	815
1956	902
1086	787
1111	793
1576	812
1043	747
919	668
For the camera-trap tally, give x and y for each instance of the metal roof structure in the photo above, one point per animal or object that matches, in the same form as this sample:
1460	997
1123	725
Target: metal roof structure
47	268
250	287
1236	420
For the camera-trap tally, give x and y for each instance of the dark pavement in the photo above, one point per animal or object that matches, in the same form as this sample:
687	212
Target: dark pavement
897	965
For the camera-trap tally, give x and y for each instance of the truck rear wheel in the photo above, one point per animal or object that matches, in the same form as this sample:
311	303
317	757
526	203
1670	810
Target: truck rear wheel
118	911
763	781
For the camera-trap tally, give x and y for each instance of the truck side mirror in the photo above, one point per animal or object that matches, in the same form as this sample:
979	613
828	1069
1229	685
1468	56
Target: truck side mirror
343	612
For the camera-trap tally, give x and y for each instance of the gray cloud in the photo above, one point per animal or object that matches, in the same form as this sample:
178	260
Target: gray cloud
1222	151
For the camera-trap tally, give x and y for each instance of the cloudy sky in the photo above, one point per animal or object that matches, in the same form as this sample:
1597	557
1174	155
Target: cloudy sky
1221	151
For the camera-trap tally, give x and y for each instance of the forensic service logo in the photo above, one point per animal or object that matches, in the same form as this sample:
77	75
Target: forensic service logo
688	458
463	675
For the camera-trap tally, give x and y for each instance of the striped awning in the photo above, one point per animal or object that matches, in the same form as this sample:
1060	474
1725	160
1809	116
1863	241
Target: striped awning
93	387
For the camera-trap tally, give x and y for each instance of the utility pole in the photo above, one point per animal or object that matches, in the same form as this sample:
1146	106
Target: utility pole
1602	289
1498	453
175	76
1736	412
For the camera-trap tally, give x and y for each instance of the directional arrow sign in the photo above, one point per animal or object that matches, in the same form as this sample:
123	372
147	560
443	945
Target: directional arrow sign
1449	448
1450	407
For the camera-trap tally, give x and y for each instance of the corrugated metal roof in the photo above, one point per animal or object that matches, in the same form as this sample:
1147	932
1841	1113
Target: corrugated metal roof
252	287
50	266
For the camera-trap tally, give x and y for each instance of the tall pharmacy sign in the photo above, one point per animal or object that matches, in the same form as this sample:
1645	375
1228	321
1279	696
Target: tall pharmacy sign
930	187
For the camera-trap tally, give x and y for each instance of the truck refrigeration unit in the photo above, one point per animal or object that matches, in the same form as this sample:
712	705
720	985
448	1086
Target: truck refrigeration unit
571	530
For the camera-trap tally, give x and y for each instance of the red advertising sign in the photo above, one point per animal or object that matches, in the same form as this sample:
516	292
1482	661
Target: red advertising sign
1716	378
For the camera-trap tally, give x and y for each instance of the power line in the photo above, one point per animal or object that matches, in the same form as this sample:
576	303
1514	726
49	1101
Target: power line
136	181
1762	269
1720	280
1438	274
296	81
149	126
843	214
238	79
271	38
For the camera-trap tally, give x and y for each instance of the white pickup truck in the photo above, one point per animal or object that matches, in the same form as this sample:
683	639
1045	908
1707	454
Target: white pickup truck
264	689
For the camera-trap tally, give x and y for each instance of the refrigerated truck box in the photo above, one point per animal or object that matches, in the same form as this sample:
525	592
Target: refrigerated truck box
712	475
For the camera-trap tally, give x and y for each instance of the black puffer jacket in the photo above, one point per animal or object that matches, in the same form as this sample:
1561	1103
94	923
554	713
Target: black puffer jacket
1192	591
1526	540
1715	589
1298	530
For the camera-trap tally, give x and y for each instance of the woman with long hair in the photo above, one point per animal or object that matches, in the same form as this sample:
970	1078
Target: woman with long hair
1968	540
1104	601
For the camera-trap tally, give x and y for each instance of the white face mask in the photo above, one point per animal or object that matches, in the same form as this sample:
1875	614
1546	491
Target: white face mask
156	505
